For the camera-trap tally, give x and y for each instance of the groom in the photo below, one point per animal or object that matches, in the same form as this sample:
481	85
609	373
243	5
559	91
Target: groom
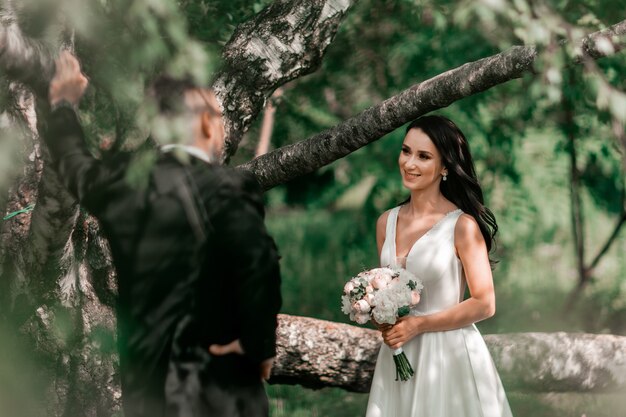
198	275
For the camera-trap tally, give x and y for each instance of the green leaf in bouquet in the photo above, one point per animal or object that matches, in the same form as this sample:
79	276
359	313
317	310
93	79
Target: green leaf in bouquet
403	311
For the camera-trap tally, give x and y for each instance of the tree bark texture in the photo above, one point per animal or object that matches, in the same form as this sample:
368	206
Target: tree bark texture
303	157
22	58
317	353
14	232
57	288
284	41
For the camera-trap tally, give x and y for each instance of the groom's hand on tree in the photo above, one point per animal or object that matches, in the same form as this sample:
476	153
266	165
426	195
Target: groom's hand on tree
69	83
265	368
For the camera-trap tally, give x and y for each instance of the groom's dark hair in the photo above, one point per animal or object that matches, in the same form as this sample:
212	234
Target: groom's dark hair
169	92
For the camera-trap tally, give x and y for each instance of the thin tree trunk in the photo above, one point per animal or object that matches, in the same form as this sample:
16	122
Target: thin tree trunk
570	130
586	275
607	245
585	271
267	126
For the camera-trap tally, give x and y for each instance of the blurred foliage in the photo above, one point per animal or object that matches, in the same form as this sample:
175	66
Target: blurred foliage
9	158
123	45
20	376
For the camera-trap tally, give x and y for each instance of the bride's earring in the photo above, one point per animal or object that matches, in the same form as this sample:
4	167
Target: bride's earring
445	177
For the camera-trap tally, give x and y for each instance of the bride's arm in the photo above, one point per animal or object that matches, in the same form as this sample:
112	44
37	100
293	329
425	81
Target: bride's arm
471	249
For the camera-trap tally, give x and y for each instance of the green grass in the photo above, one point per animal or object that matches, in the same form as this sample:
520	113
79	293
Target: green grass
295	401
320	252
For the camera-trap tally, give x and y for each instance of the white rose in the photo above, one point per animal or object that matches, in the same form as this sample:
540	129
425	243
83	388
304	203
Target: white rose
383	316
346	306
369	289
348	287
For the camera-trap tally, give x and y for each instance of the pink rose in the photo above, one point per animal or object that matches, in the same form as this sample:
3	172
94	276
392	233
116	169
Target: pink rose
361	306
348	287
415	297
380	282
369	289
362	318
369	298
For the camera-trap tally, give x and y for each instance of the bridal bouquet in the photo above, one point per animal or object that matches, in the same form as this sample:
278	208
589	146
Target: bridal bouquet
383	294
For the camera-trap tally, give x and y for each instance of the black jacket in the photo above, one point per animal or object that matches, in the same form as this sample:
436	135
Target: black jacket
163	290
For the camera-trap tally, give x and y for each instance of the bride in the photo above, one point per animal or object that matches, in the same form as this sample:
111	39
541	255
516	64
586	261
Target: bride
443	235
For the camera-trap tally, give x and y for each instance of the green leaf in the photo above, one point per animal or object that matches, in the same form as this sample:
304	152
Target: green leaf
403	311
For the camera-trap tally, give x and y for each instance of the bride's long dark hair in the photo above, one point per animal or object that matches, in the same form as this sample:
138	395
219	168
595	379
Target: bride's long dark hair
461	187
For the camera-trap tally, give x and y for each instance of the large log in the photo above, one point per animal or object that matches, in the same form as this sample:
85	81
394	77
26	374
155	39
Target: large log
317	353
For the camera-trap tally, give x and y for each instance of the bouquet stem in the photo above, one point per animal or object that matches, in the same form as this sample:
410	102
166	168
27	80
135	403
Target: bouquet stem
404	371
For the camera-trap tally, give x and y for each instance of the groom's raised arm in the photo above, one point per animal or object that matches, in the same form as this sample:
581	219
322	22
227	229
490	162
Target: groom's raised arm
81	173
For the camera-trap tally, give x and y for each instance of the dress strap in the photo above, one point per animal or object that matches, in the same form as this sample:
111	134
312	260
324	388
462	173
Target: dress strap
392	219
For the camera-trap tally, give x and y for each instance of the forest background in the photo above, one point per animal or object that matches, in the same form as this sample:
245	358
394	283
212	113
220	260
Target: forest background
548	149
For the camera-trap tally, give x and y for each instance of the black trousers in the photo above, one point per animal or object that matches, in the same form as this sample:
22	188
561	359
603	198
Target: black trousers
216	387
226	386
195	383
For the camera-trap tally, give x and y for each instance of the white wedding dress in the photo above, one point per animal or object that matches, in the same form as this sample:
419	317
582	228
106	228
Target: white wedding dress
454	373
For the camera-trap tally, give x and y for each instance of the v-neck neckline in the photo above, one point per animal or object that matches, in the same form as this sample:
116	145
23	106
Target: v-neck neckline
395	232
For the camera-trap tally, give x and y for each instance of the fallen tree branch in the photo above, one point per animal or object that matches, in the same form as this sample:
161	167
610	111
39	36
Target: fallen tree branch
288	162
317	353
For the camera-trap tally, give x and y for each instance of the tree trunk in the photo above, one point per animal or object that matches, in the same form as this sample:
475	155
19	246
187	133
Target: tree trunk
267	126
570	131
285	41
317	353
585	270
57	291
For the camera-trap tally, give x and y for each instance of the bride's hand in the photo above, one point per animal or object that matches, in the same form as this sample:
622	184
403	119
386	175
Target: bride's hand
405	329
